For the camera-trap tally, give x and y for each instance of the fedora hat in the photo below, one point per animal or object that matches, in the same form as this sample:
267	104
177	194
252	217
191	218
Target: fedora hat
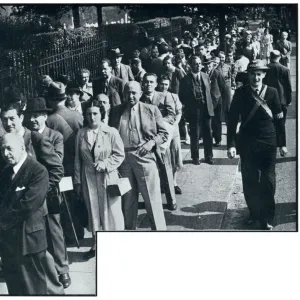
275	53
37	104
57	91
73	88
207	59
116	52
257	64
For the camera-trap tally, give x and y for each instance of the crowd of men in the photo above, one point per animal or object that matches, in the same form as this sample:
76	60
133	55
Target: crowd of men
142	100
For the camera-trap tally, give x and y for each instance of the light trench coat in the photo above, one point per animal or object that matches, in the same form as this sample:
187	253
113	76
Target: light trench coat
104	211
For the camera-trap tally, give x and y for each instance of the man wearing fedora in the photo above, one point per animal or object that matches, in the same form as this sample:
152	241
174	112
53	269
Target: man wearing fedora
36	113
65	121
108	84
217	91
262	130
120	70
279	77
194	93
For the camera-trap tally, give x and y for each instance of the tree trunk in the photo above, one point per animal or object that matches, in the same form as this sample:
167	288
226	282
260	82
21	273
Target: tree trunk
76	16
99	15
222	25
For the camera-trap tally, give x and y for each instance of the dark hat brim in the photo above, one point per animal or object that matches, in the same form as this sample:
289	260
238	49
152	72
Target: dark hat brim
38	110
57	97
258	69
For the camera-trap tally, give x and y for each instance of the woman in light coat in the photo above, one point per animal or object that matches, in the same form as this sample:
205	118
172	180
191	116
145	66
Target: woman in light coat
99	153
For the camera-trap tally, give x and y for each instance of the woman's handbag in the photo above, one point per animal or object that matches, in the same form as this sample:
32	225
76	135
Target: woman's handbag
120	188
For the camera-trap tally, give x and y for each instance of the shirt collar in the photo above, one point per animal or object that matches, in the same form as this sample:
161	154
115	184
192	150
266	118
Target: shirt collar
256	88
135	107
196	74
17	167
22	131
95	130
41	130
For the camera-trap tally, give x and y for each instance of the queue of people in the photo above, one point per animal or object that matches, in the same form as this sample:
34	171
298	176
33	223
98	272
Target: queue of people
129	123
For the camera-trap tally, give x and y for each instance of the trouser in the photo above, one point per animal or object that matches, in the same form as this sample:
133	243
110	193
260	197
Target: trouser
259	183
226	100
182	129
144	178
32	274
200	122
284	110
56	243
216	123
166	177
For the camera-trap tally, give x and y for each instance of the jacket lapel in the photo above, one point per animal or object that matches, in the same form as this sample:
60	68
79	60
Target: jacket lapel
122	72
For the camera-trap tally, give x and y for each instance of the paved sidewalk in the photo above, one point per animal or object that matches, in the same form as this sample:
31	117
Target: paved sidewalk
206	190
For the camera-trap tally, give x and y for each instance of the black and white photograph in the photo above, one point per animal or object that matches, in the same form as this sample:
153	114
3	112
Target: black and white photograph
140	117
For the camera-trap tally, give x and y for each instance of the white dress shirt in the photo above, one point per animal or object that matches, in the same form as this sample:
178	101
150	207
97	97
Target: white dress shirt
17	167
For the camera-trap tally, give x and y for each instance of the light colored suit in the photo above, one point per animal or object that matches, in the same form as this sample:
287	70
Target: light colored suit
125	73
142	171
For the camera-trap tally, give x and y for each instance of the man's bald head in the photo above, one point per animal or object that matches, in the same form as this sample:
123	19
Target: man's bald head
132	92
12	148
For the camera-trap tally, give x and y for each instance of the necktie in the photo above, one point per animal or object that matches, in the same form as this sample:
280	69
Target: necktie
117	72
147	99
257	91
105	87
133	138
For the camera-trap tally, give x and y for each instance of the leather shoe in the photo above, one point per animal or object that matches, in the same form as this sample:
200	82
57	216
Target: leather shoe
209	161
172	206
196	162
90	254
178	190
65	280
218	144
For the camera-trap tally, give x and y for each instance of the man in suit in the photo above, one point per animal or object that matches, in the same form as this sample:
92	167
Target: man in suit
118	69
67	122
142	130
285	48
166	105
36	112
261	132
279	77
217	91
138	70
28	267
109	84
194	93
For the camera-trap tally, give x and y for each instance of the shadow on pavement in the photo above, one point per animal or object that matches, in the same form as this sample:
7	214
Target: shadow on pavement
217	161
207	216
209	206
285	213
76	257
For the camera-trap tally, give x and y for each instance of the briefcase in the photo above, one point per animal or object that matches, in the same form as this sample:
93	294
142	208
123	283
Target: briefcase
120	188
